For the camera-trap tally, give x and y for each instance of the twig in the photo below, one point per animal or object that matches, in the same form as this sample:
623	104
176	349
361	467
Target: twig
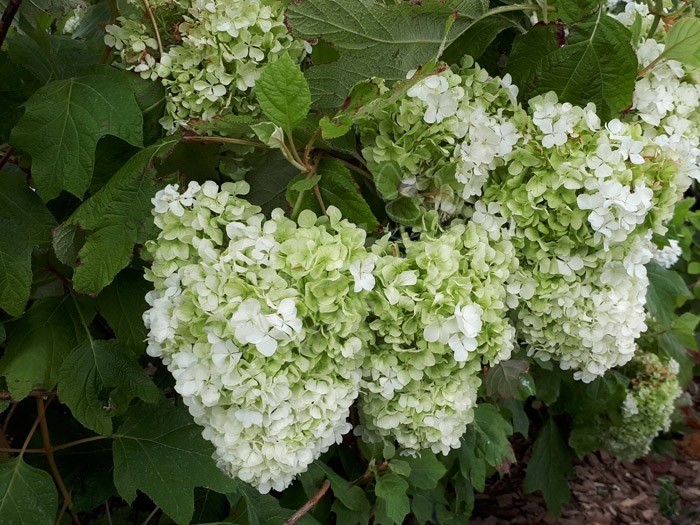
30	435
153	513
319	198
309	504
108	514
27	450
5	396
149	14
62	512
6	157
78	442
41	409
368	475
226	140
9	415
7	17
307	149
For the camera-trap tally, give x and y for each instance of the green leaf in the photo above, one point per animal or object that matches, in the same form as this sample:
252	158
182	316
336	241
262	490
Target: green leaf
683	42
122	304
392	501
351	496
335	127
570	11
504	379
477	38
68	239
160	451
24	223
550	467
115	217
27	494
426	470
388	179
268	181
521	423
595	62
63	122
53	57
98	380
405	210
283	93
338	189
374	39
665	288
38	343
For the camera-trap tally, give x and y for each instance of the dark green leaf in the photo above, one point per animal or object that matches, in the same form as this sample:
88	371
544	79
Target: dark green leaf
98	380
392	500
63	122
477	38
426	470
283	93
160	451
27	494
24	223
521	423
122	304
570	11
268	181
114	217
374	39
504	379
550	467
666	287
595	62
388	179
351	496
38	343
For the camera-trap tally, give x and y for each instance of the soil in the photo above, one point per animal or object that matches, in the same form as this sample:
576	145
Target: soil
660	489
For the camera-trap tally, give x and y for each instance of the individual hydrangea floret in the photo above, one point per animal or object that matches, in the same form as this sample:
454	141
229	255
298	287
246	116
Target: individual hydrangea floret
438	313
260	325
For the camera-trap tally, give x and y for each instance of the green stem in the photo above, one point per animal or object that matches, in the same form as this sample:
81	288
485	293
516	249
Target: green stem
659	7
224	140
510	9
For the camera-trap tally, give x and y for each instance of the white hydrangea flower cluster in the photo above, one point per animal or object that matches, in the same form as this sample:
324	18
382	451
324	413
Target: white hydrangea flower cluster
213	52
448	133
258	323
438	313
646	410
668	255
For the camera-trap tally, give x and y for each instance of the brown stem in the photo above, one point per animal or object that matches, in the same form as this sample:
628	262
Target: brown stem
30	434
5	396
369	475
307	149
46	438
319	198
309	504
149	14
7	17
78	442
225	140
26	450
9	415
6	157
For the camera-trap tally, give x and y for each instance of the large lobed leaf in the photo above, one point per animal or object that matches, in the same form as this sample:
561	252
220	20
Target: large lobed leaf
374	39
63	122
160	451
591	61
114	217
24	223
27	494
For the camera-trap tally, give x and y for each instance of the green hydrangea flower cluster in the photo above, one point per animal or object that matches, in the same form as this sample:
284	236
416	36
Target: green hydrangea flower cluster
647	409
438	313
210	53
262	324
447	134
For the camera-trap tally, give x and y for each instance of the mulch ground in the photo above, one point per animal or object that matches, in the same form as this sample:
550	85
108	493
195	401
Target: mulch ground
658	489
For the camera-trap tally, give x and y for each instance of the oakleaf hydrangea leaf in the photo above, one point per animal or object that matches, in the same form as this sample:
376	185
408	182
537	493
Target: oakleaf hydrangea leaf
160	451
63	122
98	380
27	494
38	343
392	500
24	223
114	217
592	61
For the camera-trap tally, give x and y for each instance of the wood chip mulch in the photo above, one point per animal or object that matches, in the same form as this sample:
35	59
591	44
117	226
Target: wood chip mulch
655	490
